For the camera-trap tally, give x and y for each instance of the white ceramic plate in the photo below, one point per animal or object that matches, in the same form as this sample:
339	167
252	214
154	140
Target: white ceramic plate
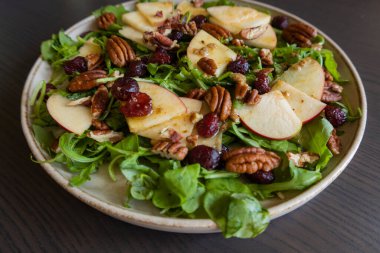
107	196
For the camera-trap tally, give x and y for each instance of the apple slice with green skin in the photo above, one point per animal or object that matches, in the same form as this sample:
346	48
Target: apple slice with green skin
136	20
76	119
150	11
166	105
135	36
304	106
181	124
267	40
186	6
307	75
213	48
272	117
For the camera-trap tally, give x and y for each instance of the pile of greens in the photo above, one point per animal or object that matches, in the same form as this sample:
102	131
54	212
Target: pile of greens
175	188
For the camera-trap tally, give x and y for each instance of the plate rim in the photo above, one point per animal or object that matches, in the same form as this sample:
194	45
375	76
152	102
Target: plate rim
183	225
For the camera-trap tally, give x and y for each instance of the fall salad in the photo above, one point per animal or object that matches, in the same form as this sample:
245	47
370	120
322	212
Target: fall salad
206	108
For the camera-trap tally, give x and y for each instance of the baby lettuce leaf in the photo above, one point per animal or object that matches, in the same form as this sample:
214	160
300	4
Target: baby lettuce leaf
314	136
231	205
256	141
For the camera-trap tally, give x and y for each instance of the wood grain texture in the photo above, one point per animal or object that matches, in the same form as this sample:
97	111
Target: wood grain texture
36	215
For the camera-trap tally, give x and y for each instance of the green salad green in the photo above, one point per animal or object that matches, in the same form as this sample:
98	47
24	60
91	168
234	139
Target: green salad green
177	188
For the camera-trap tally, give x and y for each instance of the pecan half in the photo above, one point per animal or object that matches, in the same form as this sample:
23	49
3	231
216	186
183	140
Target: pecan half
94	61
170	150
99	102
196	93
250	160
237	42
300	34
253	32
219	101
105	20
266	57
334	143
158	39
119	51
188	28
105	135
331	92
303	158
86	80
243	90
207	65
216	30
99	125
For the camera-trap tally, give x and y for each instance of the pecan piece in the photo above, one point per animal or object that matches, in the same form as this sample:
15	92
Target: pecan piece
331	92
105	135
158	39
250	160
99	102
266	56
243	90
237	42
86	80
170	150
219	101
188	28
171	134
99	125
253	32
300	34
303	158
192	140
334	143
119	51
196	93
94	61
207	65
105	20
216	30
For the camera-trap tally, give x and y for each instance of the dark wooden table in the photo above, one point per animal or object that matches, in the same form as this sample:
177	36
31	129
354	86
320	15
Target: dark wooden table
36	215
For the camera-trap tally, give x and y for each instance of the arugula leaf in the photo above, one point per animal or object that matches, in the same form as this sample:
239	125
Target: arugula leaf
314	136
43	136
331	65
299	180
257	141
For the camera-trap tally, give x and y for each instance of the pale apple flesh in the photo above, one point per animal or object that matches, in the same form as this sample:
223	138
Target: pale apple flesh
75	119
186	6
135	36
307	76
267	40
136	20
166	105
305	107
149	11
272	117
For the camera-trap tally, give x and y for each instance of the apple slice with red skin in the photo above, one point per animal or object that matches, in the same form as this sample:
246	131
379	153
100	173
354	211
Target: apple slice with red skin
272	117
307	75
76	119
304	106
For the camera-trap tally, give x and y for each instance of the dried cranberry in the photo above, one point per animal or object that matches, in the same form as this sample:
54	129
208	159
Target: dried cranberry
78	64
206	156
335	115
240	65
136	69
261	84
176	35
280	22
261	177
208	126
122	88
136	104
199	20
160	56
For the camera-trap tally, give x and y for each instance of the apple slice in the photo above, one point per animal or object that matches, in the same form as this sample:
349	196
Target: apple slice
304	106
166	105
213	142
136	20
76	119
237	18
181	124
89	47
186	6
152	11
215	50
271	118
307	76
135	36
267	40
